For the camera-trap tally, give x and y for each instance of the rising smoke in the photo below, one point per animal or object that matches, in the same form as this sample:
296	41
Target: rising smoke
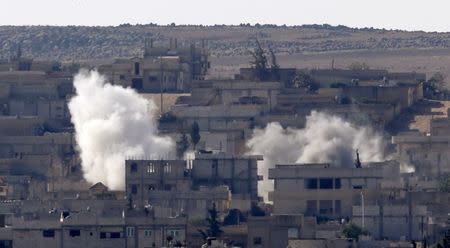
111	124
325	139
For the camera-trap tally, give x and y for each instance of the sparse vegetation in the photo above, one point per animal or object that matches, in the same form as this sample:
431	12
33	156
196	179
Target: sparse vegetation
303	80
256	210
259	62
234	217
436	86
353	231
213	224
126	40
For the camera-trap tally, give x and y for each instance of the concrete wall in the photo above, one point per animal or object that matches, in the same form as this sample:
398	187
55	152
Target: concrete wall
274	231
393	222
322	190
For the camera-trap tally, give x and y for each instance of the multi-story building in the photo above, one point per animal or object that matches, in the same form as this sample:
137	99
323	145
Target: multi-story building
161	69
328	191
174	187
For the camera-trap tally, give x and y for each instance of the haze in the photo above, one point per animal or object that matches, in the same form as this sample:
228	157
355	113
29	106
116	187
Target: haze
407	15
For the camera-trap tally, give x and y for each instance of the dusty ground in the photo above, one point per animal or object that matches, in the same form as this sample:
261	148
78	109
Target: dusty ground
427	111
418	117
427	61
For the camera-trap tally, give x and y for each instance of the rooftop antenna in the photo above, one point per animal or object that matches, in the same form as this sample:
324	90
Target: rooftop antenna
357	162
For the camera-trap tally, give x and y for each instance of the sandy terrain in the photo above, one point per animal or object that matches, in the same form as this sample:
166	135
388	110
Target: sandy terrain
427	61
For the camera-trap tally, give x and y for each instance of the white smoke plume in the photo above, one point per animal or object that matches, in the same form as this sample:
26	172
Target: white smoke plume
325	139
111	124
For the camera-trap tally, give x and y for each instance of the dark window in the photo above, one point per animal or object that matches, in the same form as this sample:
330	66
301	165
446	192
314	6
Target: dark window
133	167
152	79
24	66
65	214
103	235
48	233
326	183
136	83
257	240
6	244
325	207
2	216
122	77
137	68
74	232
133	189
115	235
337	207
311	208
167	187
357	186
337	183
311	183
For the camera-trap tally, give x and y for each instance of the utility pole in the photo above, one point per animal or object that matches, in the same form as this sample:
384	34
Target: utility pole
362	210
161	84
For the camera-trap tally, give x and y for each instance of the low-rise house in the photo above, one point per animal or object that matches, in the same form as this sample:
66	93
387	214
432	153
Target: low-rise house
277	230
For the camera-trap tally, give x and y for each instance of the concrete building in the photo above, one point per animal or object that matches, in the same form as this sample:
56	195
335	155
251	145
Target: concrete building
429	154
161	69
225	111
327	191
328	77
176	187
277	230
21	125
87	223
394	222
166	187
440	126
36	93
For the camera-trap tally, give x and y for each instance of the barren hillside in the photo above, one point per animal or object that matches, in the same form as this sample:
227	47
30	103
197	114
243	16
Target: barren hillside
74	42
301	46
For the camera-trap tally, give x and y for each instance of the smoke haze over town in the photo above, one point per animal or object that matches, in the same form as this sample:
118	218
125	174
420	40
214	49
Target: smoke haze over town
214	124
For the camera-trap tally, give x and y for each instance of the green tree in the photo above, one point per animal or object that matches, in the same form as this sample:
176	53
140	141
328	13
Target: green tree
195	134
444	183
275	68
436	83
169	240
445	241
182	145
234	217
304	80
353	231
213	224
256	210
259	62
